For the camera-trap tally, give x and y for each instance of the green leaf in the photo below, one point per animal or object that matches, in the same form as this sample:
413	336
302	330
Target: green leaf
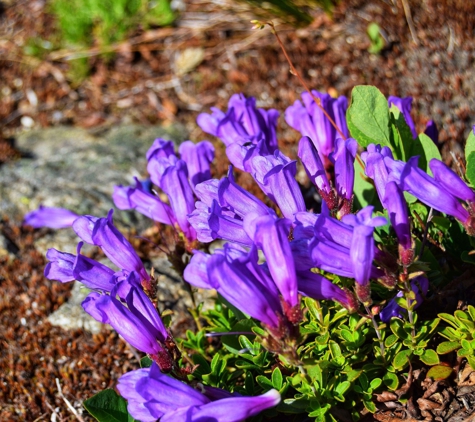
470	144
277	378
108	406
390	340
471	361
430	357
397	327
145	362
391	380
370	406
347	336
264	382
401	359
427	150
447	347
439	372
364	190
402	140
375	383
470	173
342	387
368	116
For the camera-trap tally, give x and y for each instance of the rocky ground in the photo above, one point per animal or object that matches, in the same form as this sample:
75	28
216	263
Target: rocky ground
65	143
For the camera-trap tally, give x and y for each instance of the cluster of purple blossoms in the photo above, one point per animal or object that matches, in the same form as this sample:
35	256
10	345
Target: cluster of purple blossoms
299	246
176	177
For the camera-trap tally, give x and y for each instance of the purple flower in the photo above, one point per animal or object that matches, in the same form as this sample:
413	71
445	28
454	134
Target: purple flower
236	275
161	148
343	158
275	175
152	395
60	266
51	217
102	232
197	158
450	181
419	285
362	243
376	168
320	288
396	205
174	183
431	192
405	106
313	165
216	222
432	132
137	198
239	200
310	120
134	316
242	123
272	236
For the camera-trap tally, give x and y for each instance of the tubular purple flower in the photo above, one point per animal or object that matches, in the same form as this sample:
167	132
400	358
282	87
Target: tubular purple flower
405	106
310	120
375	167
344	157
275	174
318	287
313	165
138	322
331	257
396	205
137	198
102	232
450	181
196	272
236	275
329	228
432	132
362	243
242	123
161	148
216	222
50	217
91	273
239	200
392	309
60	267
304	225
175	184
209	122
207	191
272	236
197	158
340	105
152	395
429	191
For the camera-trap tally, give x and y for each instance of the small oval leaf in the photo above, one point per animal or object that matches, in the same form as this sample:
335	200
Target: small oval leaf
439	372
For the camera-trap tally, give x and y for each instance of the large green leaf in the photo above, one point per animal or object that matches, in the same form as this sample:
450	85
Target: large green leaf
470	144
401	136
368	116
108	406
470	174
363	189
427	150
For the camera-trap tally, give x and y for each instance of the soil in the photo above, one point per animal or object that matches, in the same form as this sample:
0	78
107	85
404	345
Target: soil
142	83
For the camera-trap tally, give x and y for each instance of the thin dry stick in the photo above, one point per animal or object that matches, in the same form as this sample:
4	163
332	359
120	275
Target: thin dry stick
68	403
293	70
410	23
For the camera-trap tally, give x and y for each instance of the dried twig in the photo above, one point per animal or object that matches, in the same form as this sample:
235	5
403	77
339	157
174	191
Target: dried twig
68	403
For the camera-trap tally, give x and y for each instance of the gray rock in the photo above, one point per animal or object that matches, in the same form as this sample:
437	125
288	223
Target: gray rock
71	315
75	169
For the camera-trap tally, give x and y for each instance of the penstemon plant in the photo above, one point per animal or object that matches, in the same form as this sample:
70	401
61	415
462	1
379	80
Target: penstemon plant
316	310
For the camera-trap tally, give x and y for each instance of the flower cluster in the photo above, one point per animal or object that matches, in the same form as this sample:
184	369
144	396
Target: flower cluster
275	251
